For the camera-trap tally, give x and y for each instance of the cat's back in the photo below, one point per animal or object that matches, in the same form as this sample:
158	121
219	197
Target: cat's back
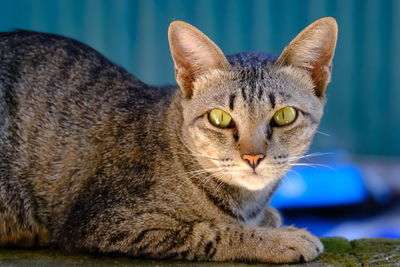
34	60
55	91
54	74
28	53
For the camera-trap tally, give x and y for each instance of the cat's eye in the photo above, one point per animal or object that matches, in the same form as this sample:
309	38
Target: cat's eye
220	118
285	116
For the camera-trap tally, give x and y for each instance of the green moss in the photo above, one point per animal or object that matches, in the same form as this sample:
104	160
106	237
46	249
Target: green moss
338	252
373	246
336	245
35	254
379	251
365	252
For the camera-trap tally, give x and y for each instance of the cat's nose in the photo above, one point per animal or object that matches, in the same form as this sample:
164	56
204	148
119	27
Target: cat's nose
253	160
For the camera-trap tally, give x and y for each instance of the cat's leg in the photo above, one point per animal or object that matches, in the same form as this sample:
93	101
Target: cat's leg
159	236
18	228
11	233
271	218
15	233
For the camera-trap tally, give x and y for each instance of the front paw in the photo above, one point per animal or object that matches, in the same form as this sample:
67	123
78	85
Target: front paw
289	244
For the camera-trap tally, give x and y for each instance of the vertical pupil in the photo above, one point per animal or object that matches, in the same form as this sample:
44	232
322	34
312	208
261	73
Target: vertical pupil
219	118
285	116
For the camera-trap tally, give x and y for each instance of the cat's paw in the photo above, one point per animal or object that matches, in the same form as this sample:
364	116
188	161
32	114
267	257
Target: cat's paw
290	244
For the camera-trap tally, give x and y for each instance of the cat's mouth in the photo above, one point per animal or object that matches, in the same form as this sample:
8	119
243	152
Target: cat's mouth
252	175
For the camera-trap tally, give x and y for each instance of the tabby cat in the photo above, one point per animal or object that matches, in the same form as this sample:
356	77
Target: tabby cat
94	160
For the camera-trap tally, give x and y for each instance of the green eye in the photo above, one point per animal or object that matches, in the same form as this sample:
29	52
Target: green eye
285	116
219	118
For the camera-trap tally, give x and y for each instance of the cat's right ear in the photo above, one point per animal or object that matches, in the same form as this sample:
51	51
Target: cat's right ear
194	54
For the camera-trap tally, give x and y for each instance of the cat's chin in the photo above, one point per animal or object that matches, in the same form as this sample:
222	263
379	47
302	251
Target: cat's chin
252	181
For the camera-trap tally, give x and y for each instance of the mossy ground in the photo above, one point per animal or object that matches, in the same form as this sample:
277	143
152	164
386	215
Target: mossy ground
338	252
361	252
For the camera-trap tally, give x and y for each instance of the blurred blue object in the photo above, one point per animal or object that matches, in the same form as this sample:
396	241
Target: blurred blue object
308	187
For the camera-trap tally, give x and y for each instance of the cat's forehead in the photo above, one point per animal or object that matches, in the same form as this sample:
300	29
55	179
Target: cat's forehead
249	87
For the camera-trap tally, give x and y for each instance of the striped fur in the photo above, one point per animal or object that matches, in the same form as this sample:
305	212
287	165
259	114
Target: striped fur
92	159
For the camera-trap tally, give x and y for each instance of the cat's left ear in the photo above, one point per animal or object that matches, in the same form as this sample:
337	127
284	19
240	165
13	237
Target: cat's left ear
194	54
313	50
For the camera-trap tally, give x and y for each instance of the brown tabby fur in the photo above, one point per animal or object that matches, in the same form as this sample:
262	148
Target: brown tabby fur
92	159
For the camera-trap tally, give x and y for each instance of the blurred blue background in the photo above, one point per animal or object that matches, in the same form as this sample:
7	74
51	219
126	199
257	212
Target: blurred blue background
355	184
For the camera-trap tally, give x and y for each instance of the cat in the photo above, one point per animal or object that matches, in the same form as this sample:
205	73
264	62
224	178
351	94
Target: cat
94	160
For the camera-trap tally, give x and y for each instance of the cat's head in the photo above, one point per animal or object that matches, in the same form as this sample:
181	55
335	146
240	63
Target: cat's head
248	117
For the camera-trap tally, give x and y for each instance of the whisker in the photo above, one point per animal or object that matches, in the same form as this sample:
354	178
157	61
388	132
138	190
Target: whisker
208	178
189	178
314	165
197	155
210	171
322	133
195	171
315	154
295	172
194	153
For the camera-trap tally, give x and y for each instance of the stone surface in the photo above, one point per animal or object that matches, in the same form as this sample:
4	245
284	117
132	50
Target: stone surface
338	252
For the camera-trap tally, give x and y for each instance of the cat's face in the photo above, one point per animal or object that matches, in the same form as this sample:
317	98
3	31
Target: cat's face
233	122
251	105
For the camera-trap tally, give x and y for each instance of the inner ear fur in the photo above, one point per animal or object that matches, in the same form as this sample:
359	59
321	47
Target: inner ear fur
313	50
193	53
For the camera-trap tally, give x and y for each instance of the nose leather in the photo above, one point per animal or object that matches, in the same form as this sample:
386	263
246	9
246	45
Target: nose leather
253	160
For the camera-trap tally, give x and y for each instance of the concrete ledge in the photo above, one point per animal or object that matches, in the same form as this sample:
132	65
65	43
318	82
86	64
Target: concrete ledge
338	252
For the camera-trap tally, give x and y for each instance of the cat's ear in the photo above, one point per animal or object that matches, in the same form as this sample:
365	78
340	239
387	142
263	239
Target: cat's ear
312	50
194	54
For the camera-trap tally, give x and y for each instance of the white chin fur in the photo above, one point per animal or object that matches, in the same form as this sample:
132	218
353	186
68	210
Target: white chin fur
251	182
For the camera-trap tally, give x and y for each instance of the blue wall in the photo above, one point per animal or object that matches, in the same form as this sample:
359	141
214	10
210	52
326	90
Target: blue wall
363	112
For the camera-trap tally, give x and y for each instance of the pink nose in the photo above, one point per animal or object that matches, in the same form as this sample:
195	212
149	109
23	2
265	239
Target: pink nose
253	160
